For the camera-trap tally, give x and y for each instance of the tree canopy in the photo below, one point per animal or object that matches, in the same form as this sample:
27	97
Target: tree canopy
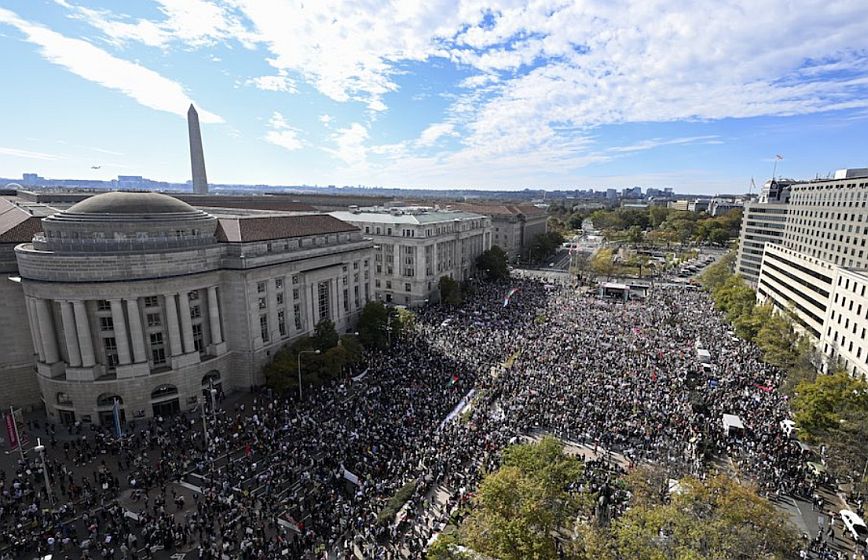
519	509
718	518
450	291
493	263
833	410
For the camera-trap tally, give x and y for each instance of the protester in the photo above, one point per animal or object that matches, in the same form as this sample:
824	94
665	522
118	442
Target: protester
287	479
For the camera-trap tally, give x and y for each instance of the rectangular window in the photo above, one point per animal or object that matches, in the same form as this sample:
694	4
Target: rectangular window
356	295
294	280
262	303
106	324
111	352
296	311
198	341
323	291
295	293
151	301
260	288
407	287
195	312
103	305
281	322
346	301
278	283
158	349
263	327
194	295
154	319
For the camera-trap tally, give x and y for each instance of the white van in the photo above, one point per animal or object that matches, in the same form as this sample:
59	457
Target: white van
855	526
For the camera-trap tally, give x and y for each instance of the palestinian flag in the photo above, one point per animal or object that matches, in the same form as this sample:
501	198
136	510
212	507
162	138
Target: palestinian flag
509	295
454	379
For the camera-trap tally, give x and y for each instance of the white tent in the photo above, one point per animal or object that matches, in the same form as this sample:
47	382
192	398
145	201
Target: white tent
732	421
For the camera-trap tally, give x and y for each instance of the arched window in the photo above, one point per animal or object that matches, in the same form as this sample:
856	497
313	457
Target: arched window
211	378
108	399
63	398
164	391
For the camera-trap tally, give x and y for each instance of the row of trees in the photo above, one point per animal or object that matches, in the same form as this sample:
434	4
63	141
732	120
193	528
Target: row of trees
531	508
831	410
656	224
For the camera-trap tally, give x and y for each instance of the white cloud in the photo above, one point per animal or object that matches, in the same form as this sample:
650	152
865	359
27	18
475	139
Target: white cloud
280	83
15	152
282	134
434	132
656	142
96	65
350	144
326	119
197	23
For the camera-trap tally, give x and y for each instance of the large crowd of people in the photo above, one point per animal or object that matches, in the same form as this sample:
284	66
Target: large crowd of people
282	478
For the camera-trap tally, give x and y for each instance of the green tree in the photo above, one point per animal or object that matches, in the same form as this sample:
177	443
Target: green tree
325	336
635	234
372	325
657	215
833	410
493	263
718	236
716	519
520	507
603	262
718	273
450	291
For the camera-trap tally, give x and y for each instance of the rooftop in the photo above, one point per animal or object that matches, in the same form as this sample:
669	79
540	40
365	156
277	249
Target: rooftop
385	217
130	203
17	225
246	229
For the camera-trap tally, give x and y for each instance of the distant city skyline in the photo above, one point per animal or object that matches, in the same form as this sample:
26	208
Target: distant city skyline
436	95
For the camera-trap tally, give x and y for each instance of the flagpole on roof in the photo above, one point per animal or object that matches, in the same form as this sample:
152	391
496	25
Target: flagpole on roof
778	157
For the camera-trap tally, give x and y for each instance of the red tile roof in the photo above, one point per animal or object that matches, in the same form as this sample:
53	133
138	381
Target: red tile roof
265	228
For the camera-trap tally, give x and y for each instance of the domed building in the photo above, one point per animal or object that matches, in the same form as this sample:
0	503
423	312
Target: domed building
143	299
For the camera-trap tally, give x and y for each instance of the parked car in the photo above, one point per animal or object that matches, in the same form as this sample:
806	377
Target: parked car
855	526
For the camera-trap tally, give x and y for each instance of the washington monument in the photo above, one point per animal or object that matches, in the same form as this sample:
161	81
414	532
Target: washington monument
197	158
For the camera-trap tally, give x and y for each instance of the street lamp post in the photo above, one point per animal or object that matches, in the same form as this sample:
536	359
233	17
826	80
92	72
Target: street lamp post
41	450
213	392
204	426
300	394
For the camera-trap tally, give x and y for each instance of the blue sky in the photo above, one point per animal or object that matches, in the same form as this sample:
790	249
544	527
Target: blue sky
437	94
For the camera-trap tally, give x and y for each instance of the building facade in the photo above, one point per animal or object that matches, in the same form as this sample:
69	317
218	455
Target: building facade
763	222
514	226
142	299
414	248
816	269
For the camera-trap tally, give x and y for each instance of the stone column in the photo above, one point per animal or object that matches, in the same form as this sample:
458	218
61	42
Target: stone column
172	323
271	298
136	335
334	299
214	315
85	343
186	324
120	328
310	303
34	329
69	334
46	331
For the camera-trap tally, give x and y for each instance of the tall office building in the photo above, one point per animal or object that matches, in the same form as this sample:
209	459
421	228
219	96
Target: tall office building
818	269
763	222
197	157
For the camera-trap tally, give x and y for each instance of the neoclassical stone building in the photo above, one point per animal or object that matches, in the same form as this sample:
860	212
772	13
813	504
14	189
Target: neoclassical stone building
141	298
